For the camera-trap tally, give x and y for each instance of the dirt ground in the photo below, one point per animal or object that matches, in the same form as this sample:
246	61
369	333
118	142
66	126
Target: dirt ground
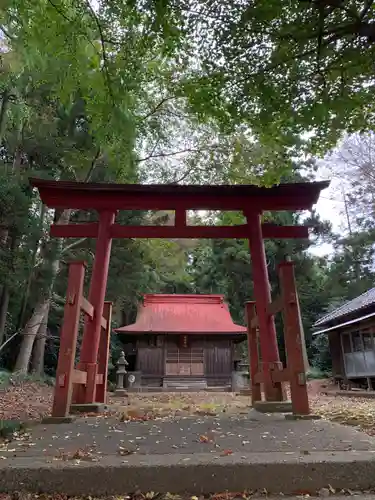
30	401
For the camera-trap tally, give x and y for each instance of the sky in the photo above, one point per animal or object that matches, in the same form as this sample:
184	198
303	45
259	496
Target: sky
330	207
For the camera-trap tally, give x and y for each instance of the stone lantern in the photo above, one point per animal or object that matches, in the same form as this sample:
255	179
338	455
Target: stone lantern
120	375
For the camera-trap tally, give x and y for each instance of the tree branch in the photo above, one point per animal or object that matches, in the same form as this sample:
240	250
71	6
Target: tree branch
104	53
183	177
157	107
286	60
174	153
72	245
6	33
61	12
93	165
366	8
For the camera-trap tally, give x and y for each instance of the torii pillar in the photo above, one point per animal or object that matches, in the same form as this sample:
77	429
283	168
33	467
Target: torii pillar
270	359
86	394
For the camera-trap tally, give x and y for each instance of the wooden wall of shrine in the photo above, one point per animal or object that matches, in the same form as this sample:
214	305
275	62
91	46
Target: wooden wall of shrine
183	356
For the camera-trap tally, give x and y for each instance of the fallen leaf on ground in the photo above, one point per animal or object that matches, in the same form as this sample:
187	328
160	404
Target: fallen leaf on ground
204	439
25	401
124	451
225	453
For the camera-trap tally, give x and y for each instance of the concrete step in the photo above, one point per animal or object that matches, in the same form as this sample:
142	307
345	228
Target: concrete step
185	383
197	473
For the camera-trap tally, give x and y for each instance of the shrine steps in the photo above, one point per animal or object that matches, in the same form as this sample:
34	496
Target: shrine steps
157	390
185	383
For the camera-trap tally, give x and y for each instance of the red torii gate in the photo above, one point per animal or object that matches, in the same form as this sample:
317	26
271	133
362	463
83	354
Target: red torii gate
107	199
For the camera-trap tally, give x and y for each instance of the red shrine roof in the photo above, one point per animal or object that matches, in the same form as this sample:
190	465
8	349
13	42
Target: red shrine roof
183	314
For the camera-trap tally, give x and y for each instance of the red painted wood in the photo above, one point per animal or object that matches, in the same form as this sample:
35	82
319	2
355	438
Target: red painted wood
88	230
60	194
281	375
180	218
118	231
252	345
91	336
107	199
116	201
79	377
293	340
259	377
68	341
103	354
87	308
90	387
262	292
192	314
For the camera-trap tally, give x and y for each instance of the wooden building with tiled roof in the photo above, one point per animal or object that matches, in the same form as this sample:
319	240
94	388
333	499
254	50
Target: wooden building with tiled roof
351	333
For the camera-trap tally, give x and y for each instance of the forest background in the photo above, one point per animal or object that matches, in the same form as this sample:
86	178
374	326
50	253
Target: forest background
178	91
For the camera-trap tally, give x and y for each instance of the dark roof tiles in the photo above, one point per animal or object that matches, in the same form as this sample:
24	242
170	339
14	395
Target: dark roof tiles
361	302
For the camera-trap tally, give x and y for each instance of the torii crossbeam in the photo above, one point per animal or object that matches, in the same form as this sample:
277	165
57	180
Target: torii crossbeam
107	199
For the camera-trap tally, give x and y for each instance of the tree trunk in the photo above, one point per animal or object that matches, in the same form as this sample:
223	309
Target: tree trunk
37	360
25	297
32	326
4	232
3	311
3	113
29	334
5	294
17	155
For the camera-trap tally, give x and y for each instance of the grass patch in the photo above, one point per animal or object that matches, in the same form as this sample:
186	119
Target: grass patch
9	427
317	374
209	406
8	379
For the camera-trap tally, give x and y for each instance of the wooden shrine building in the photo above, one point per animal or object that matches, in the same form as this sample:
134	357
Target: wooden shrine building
350	329
182	342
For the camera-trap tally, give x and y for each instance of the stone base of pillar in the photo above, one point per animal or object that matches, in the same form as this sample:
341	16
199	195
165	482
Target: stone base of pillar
273	406
244	392
121	392
302	417
88	408
59	420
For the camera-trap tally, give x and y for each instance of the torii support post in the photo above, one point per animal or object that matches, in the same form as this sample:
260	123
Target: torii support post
294	373
68	342
103	355
86	394
267	331
293	339
252	347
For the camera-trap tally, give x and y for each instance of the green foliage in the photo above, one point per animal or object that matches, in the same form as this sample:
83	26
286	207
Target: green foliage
117	61
320	356
9	427
14	202
10	379
176	92
270	71
286	68
317	374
